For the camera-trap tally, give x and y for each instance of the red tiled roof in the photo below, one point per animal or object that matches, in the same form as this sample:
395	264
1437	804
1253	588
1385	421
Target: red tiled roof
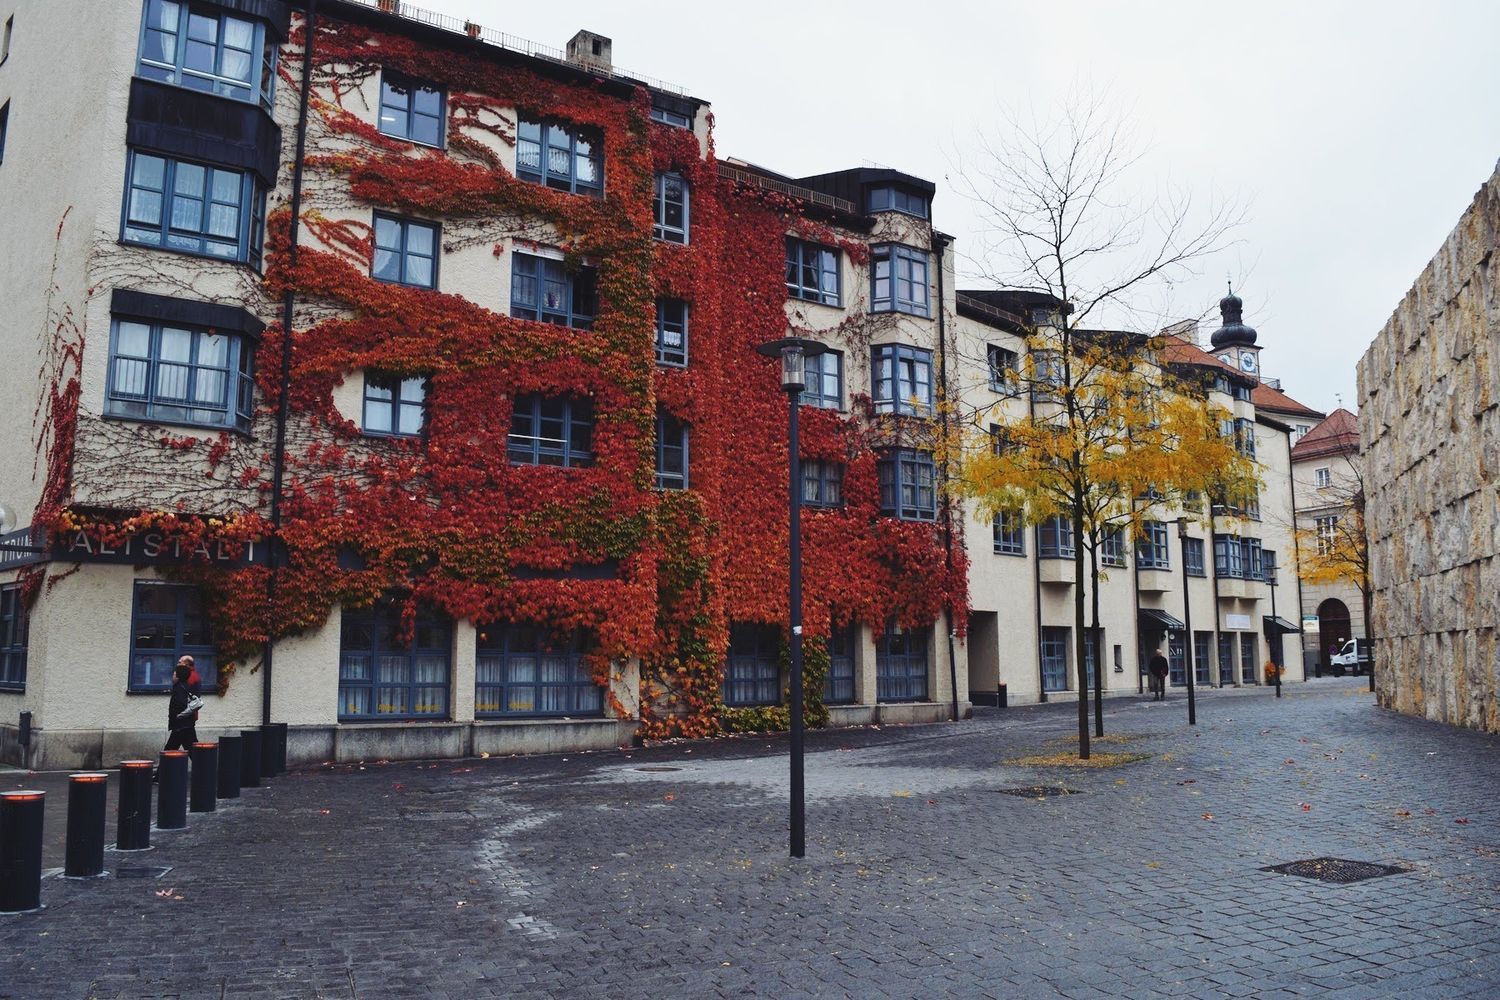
1266	398
1177	351
1337	433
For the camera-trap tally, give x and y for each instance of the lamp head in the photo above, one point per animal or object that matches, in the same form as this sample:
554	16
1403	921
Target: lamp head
794	352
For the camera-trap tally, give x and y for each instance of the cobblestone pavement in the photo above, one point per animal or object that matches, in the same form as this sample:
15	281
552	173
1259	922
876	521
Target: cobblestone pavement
663	872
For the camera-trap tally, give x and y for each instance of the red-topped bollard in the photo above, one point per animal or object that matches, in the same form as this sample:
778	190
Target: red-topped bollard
85	848
134	829
171	790
205	782
21	850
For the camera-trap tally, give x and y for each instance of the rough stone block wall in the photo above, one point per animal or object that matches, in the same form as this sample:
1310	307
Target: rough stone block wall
1429	419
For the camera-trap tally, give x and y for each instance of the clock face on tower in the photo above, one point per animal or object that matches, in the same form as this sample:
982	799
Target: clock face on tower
1247	362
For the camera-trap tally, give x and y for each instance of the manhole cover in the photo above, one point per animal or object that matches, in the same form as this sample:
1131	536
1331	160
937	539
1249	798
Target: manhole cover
142	871
1337	870
658	768
1039	791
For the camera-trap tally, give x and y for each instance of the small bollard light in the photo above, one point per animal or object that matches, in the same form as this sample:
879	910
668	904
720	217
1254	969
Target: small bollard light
85	848
171	790
21	815
205	781
133	833
250	754
229	767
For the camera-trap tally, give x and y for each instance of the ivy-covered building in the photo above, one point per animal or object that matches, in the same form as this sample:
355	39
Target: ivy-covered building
403	374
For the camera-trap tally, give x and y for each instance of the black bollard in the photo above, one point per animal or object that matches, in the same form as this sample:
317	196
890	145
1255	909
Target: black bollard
134	830
21	850
85	850
205	782
229	767
250	753
171	790
1002	696
273	749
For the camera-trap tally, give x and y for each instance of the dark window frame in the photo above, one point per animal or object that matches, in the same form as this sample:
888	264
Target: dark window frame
666	353
1192	557
398	400
579	285
1010	533
1054	538
204	654
1112	549
152	406
679	433
895	369
1004	370
403	252
817	376
752	666
826	480
893	256
1055	646
507	646
138	229
889	198
391	83
806	259
661	229
578	144
1153	547
15	627
574	449
908	484
383	618
259	88
901	664
838	687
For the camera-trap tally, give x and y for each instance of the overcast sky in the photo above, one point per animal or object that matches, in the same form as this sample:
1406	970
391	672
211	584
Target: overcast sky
1354	133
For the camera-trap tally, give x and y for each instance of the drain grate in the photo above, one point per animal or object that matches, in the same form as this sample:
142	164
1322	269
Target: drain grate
1039	791
658	768
1337	870
142	871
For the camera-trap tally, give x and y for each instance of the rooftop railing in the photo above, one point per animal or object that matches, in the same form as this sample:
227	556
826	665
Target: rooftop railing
782	187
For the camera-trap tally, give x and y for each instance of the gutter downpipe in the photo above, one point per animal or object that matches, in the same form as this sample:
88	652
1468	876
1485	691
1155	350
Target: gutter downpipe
938	246
278	455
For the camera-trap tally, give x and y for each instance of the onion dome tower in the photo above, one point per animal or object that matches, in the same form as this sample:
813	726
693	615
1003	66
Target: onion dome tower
1234	342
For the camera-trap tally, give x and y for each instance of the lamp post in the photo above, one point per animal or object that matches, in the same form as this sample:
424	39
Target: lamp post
1268	570
1187	624
794	353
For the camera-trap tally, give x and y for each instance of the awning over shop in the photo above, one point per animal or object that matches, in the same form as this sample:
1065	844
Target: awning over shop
1154	618
1275	623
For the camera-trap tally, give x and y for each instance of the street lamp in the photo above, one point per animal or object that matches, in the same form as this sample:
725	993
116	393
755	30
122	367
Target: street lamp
794	353
1187	624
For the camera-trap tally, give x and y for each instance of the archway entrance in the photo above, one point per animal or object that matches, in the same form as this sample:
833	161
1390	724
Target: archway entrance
1333	628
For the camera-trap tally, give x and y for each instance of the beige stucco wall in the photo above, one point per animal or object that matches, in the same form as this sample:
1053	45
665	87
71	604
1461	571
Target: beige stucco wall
1429	421
1313	502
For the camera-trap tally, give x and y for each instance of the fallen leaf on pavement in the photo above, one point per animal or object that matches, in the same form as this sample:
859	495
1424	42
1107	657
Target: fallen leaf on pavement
901	793
1403	813
1305	806
1290	761
324	812
1461	820
1208	815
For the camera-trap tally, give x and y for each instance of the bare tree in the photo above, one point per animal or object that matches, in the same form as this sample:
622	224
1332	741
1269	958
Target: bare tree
1059	220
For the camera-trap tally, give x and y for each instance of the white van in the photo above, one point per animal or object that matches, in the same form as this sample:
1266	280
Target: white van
1354	657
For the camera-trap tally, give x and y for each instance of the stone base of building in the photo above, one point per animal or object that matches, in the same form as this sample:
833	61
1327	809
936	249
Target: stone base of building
897	713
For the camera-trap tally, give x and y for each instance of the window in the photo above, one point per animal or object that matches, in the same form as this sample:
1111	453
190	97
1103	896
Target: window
1242	392
889	199
669	117
176	205
412	110
1192	555
670	205
1244	436
1268	565
906	485
752	676
385	675
1004	368
822	484
1328	534
1112	548
1050	376
1323	477
672	332
204	47
1238	558
1202	661
551	430
1226	658
1252	559
1010	534
176	375
825	381
520	670
671	452
1249	657
169	621
839	688
903	379
1002	442
562	158
812	272
394	405
4	127
405	252
1055	659
1151	550
543	289
901	664
1054	538
12	639
899	280
1176	658
1090	656
1221	384
1302	430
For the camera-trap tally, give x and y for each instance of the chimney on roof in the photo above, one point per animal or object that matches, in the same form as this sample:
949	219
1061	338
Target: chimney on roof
592	52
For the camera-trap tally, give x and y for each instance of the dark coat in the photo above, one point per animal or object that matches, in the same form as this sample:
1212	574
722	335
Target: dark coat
176	717
1158	666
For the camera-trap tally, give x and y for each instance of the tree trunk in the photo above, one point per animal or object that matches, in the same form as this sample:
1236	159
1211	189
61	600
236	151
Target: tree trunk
1078	638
